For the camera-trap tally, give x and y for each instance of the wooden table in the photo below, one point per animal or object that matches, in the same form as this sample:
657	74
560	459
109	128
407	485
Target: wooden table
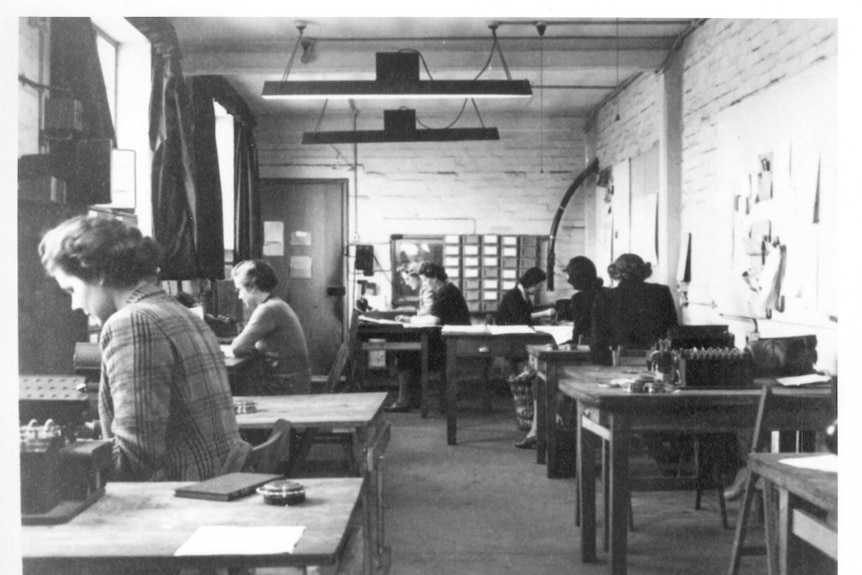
473	344
401	337
356	413
807	510
548	364
613	414
140	526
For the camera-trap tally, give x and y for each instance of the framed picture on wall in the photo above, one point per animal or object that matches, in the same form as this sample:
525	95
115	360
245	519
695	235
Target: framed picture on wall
409	251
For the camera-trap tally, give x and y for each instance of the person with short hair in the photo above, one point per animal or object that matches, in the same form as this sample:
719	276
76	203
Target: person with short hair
516	305
426	295
164	397
449	308
273	335
634	314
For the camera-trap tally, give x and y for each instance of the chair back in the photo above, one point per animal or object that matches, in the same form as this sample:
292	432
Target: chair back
338	365
272	455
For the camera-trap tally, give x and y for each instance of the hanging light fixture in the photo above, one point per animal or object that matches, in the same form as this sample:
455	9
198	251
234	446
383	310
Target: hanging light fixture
400	126
397	77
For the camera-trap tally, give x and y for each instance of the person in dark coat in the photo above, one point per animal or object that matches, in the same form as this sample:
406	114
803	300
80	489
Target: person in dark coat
635	314
516	306
581	275
581	272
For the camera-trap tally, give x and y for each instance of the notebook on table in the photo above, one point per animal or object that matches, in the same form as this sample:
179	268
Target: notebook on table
226	487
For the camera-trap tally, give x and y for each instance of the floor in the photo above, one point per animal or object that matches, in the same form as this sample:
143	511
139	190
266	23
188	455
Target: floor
485	508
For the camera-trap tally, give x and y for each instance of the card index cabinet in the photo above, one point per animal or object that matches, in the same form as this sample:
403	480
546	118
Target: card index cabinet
484	267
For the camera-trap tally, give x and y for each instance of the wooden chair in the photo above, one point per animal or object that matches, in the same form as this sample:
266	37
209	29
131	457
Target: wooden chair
272	455
333	384
760	443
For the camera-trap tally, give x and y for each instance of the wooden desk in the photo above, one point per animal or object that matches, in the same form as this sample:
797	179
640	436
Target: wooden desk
548	364
354	413
807	509
401	337
357	412
480	345
139	526
613	414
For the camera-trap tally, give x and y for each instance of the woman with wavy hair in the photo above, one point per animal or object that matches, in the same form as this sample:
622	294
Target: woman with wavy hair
634	314
164	397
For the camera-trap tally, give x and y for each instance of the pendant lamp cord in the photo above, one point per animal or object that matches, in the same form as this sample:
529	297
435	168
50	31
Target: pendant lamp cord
289	66
540	27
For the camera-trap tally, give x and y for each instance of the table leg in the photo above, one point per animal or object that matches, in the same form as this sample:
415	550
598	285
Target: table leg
619	491
539	386
451	393
587	483
783	531
424	375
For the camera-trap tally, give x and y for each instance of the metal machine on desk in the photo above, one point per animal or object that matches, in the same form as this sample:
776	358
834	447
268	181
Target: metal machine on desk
60	475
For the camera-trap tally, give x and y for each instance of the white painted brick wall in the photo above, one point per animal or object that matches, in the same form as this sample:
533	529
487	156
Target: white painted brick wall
511	186
724	62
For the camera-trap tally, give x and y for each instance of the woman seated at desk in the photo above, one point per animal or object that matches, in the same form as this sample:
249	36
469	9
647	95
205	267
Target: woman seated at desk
449	308
516	306
426	294
164	398
635	314
581	275
273	335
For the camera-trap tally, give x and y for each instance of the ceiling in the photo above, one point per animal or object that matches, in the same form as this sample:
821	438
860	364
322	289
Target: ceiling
573	67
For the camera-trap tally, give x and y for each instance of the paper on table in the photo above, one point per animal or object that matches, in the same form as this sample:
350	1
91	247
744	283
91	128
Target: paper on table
226	350
804	379
505	329
824	462
235	540
561	333
450	329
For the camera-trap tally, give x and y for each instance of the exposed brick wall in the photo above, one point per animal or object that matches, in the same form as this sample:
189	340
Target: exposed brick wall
511	186
724	63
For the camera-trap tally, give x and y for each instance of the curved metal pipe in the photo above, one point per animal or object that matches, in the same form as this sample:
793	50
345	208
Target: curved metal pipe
592	168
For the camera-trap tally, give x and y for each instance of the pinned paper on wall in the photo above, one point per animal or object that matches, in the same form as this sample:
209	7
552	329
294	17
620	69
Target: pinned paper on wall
300	267
299	238
683	270
273	238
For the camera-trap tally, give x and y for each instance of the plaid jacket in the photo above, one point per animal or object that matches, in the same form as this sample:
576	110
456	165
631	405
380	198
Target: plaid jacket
164	396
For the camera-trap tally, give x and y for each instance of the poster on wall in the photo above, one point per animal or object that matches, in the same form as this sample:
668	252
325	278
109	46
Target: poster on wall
273	238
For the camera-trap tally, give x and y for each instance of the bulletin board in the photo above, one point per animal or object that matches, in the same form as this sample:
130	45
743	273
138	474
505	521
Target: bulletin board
769	248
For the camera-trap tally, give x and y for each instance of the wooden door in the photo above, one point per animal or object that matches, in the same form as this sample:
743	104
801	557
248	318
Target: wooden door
305	225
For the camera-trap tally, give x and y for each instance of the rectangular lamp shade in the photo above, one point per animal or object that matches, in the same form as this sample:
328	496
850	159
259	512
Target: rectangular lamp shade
397	77
399	126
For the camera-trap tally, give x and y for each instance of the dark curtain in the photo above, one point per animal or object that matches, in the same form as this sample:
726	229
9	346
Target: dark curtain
173	194
75	66
209	220
76	72
248	227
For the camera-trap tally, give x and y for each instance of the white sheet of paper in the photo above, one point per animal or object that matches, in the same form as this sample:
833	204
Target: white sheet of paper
273	238
235	540
226	350
803	380
505	329
449	329
561	333
824	462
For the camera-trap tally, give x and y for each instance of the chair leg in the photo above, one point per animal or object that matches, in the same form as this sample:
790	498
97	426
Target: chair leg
742	523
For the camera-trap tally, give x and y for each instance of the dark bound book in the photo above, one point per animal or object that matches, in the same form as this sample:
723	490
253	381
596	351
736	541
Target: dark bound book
226	487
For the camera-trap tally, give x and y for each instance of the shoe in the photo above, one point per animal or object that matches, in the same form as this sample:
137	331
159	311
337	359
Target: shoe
527	443
397	408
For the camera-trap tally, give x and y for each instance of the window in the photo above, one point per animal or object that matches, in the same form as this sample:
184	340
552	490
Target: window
225	147
107	49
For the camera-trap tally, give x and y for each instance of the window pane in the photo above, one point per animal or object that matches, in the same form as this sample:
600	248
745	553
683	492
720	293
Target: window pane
108	58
